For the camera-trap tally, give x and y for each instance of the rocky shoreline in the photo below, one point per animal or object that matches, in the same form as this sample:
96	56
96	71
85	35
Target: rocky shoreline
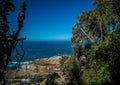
37	72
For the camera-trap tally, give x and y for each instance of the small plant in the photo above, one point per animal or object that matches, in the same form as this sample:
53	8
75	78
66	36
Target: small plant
63	59
71	69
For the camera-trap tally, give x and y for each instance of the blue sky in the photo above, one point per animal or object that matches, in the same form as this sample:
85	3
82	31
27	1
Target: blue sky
52	19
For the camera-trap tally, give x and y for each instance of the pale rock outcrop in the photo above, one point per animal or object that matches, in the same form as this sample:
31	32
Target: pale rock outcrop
39	71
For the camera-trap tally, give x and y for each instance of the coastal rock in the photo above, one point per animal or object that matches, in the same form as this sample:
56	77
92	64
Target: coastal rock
39	71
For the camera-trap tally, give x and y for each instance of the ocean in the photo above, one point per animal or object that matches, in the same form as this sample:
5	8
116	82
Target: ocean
46	49
43	49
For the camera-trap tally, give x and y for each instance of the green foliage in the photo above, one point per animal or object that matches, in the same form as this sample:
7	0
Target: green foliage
115	56
102	77
63	60
103	55
102	67
69	66
107	60
97	70
72	71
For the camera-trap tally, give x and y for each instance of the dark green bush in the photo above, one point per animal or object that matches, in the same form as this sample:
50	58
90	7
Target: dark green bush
72	71
63	59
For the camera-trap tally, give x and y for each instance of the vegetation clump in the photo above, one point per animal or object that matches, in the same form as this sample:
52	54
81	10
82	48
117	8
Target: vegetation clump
96	36
10	39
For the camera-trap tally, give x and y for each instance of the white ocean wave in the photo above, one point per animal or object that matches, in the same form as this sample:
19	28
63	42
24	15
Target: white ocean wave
14	65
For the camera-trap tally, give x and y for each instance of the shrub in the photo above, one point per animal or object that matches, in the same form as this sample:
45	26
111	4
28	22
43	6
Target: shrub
63	59
72	71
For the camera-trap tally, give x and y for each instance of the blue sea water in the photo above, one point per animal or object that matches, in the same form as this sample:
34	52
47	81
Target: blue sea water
42	49
45	49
